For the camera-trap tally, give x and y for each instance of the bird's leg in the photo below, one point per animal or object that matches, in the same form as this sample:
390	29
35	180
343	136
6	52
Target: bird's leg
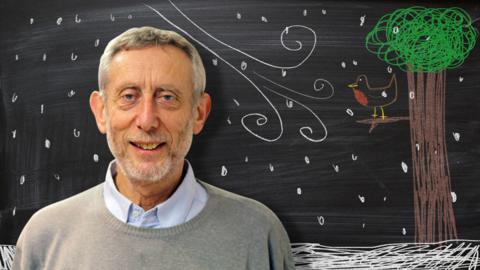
383	113
374	112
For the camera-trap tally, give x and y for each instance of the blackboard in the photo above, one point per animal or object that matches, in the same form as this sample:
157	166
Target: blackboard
285	128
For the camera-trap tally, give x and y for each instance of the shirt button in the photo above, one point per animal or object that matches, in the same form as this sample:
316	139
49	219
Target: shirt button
136	214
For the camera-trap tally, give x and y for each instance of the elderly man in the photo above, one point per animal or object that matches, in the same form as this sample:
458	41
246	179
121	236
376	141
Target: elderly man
151	212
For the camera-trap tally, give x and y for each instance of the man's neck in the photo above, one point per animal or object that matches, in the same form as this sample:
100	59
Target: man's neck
148	194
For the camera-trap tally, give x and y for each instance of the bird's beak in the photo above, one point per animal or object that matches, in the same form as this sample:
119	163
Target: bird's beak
353	85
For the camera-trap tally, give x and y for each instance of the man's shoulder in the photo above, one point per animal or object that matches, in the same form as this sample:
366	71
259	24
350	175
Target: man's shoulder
55	220
239	219
240	208
69	208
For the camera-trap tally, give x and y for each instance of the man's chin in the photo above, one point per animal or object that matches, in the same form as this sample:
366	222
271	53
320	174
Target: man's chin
146	172
145	178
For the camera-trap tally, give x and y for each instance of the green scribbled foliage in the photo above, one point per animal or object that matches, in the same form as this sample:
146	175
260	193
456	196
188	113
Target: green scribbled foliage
423	39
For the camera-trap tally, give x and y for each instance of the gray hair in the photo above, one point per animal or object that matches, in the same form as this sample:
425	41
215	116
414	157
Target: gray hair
142	37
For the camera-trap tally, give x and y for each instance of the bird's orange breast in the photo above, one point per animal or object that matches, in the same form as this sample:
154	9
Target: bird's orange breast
360	97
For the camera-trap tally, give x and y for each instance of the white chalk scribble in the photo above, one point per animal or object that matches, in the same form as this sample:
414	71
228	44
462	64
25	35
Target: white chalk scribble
257	118
349	111
224	171
14	97
456	136
270	167
404	167
454	196
336	168
47	143
321	220
447	255
307	160
22	179
73	57
7	252
71	93
362	19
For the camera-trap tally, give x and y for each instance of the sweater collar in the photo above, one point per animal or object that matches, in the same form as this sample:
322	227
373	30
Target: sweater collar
171	212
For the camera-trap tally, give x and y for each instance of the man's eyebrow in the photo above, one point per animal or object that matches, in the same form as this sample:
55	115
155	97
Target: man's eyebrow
160	88
127	85
168	87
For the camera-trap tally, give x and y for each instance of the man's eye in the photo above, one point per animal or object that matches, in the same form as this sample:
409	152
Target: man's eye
167	98
128	97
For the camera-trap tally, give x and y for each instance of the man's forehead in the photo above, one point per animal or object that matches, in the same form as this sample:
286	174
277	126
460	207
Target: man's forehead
165	51
166	59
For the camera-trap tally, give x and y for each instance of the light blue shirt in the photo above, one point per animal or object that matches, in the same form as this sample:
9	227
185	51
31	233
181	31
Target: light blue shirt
185	203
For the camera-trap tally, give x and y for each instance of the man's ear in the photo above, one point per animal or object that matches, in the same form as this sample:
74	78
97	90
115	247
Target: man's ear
97	105
203	107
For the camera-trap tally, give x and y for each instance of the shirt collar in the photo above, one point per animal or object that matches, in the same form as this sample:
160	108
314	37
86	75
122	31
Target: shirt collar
171	212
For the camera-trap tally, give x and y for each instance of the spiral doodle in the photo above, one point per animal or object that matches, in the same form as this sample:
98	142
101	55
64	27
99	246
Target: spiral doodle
260	119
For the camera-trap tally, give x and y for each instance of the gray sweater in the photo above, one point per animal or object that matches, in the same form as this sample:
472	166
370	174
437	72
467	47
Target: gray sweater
231	232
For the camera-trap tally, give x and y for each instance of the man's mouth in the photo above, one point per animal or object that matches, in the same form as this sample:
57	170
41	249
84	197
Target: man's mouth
147	146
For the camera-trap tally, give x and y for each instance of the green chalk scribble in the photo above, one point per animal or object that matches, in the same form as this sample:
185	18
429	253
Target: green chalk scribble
423	39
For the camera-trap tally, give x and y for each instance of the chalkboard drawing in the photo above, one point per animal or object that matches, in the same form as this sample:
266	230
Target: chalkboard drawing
260	120
7	252
424	42
374	97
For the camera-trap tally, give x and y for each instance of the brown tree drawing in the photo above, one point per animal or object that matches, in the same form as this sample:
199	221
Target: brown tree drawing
424	42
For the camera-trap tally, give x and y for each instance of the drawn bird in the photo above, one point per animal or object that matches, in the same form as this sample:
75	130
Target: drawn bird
374	97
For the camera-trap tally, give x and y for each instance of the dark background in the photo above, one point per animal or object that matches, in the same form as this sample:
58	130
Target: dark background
275	170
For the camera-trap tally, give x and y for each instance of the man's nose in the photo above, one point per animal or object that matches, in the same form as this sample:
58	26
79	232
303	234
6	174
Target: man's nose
147	118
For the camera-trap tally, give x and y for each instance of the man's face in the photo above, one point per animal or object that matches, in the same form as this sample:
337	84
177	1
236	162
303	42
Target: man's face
149	114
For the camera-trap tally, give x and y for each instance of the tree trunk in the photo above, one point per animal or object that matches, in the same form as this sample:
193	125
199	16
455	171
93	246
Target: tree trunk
434	217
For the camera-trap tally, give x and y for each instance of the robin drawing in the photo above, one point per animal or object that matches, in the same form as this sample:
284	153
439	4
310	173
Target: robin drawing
374	97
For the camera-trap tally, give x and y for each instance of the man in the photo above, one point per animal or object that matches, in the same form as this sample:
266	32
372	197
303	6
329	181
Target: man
151	212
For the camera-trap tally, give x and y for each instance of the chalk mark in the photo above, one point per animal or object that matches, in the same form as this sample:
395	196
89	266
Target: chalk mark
303	130
451	254
7	253
284	32
317	89
261	119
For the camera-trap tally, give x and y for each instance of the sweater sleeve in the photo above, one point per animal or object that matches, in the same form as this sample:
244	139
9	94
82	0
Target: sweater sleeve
279	248
24	254
272	251
32	244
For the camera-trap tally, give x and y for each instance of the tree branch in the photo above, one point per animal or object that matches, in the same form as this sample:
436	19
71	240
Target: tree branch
374	122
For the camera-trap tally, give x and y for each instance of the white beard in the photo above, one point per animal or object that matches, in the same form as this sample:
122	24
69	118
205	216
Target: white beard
154	174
